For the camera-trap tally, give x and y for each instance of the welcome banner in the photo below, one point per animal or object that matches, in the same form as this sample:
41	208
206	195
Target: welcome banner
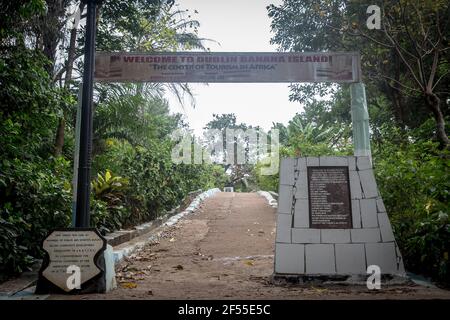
228	67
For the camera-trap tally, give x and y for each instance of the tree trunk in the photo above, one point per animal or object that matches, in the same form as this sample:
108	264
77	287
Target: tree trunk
59	140
51	29
397	104
395	93
434	104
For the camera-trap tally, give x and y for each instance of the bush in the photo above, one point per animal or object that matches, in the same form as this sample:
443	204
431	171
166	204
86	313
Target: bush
414	180
155	184
109	206
35	190
36	198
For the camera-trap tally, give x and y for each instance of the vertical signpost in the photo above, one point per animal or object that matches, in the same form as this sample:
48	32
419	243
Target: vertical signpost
82	219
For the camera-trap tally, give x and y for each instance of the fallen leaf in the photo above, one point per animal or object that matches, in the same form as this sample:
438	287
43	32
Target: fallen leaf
319	291
249	263
131	269
129	285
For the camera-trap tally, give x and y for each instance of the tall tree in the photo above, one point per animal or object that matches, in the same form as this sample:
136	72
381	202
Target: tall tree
407	60
143	25
238	172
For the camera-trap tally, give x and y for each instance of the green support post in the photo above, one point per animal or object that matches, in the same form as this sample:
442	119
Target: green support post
360	120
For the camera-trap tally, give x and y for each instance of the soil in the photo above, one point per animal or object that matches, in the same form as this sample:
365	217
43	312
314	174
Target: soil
225	251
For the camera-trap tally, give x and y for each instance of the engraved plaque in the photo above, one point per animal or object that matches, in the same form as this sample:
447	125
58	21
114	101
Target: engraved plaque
329	198
72	247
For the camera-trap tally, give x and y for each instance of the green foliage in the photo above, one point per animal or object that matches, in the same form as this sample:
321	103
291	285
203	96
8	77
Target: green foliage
35	193
132	112
15	15
14	257
108	185
154	183
414	180
35	198
240	176
265	182
146	25
109	190
401	64
28	104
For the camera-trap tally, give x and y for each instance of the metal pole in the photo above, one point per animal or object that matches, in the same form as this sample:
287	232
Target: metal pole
75	156
82	219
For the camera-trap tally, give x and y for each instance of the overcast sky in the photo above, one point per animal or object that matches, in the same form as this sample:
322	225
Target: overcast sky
238	25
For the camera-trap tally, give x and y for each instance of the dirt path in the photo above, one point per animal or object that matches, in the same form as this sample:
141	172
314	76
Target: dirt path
225	251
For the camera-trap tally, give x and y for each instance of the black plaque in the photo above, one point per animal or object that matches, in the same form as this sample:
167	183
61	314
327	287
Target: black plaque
329	198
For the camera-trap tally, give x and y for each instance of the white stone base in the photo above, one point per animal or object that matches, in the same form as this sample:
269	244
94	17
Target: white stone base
110	273
301	250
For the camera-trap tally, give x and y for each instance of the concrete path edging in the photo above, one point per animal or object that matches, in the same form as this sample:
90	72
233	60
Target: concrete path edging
127	250
272	202
119	237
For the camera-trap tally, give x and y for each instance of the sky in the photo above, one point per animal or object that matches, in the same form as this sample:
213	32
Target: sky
238	26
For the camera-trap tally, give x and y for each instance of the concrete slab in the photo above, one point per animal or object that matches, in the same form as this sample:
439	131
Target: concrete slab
312	161
368	183
363	163
351	163
350	259
368	213
283	234
289	258
335	235
320	259
365	235
333	161
287	171
285	198
284	220
356	214
387	235
305	235
380	205
355	185
301	215
301	186
382	255
301	164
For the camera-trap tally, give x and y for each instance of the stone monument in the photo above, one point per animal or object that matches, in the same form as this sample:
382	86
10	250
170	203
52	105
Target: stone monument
331	219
